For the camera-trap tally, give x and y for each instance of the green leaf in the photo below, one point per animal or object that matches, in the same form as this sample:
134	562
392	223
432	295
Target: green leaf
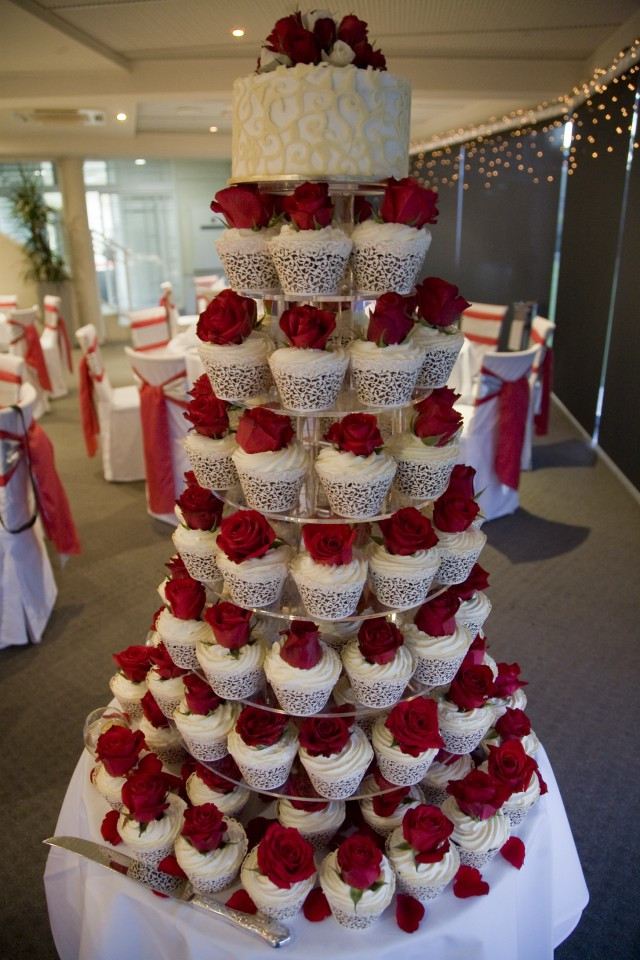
356	895
376	886
432	441
404	846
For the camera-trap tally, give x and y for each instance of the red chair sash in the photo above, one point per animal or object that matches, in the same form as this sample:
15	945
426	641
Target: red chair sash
156	441
541	419
513	407
34	356
63	335
88	412
7	377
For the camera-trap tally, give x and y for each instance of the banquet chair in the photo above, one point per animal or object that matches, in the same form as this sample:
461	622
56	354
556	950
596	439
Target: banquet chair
481	324
541	336
161	380
194	367
25	342
111	412
56	349
8	301
27	587
149	328
494	429
167	301
206	289
11	378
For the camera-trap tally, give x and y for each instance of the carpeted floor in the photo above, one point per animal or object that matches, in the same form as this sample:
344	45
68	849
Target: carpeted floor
565	606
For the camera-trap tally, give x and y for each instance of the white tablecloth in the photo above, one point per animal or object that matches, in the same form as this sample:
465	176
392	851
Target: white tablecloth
97	915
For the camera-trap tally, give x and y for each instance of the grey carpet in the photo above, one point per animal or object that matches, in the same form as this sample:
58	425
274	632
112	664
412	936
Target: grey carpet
565	606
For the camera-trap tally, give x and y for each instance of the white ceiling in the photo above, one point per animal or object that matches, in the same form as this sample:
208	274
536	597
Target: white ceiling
169	64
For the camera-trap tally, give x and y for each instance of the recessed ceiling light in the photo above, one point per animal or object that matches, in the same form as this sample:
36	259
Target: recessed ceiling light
140	162
213	129
121	116
237	32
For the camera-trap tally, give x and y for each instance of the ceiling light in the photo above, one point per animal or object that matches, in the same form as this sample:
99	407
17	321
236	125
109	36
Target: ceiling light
121	116
213	129
237	32
139	162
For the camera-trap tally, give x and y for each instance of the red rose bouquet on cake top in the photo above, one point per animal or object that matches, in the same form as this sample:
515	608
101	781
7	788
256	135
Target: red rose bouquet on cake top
270	462
252	561
377	664
263	743
210	848
407	740
317	37
329	576
402	567
129	684
301	669
335	753
357	881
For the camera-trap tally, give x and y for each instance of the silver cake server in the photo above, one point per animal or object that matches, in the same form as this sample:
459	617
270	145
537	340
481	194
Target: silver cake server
273	932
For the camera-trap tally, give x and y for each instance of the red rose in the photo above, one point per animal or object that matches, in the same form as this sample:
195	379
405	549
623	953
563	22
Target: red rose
329	543
310	206
208	415
199	696
185	597
118	748
435	419
244	206
301	647
414	726
386	804
307	327
439	303
152	711
391	320
406	532
477	580
378	640
437	617
427	831
362	210
244	535
359	861
471	687
228	318
215	779
324	31
154	619
290	37
453	514
366	56
231	625
475	654
478	794
177	569
201	510
300	786
326	735
513	725
461	480
261	430
145	796
163	665
352	31
509	764
405	201
285	857
508	680
134	662
202	389
357	433
204	827
260	728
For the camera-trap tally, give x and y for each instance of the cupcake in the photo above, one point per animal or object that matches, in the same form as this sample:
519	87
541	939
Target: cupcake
270	462
164	679
307	373
309	254
151	819
160	736
233	660
337	635
204	720
244	247
437	642
129	684
403	566
406	741
423	859
117	751
445	767
329	576
355	472
209	784
475	605
512	725
473	806
301	669
377	663
335	753
279	873
385	366
210	848
439	307
464	713
263	743
345	697
179	625
383	812
316	820
459	542
210	447
253	565
426	454
199	513
510	765
507	690
389	252
234	354
358	881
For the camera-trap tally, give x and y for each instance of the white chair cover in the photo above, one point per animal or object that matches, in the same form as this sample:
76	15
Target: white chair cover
118	414
167	301
18	321
27	587
206	289
479	440
481	324
149	328
54	347
11	379
541	336
167	371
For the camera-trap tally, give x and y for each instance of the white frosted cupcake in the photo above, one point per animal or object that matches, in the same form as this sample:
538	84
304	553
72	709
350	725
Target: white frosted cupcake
474	610
344	696
204	720
129	684
308	380
151	840
509	764
280	872
165	679
377	663
253	565
353	905
233	661
117	750
422	471
302	670
335	753
459	542
108	786
464	713
384	811
479	829
384	376
423	859
271	464
263	743
210	848
197	547
316	820
238	371
436	641
179	626
211	460
445	767
406	741
388	256
209	785
336	634
402	568
310	261
330	577
160	736
246	259
441	348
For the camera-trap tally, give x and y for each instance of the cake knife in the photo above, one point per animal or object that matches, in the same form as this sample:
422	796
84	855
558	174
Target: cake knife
273	932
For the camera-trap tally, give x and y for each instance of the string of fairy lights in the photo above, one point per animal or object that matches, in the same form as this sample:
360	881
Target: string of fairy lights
517	140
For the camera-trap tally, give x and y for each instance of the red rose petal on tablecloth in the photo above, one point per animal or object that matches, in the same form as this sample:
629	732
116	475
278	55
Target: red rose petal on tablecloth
240	900
513	851
171	866
316	906
109	828
409	912
256	830
469	883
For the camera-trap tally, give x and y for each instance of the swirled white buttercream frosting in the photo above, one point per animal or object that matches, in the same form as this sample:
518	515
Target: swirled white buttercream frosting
203	541
274	562
157	833
384	745
158	737
291	457
451	645
338	892
380	235
339	575
305	362
256	347
198	792
218	659
521	798
214	863
478	607
462	541
473	834
311	821
182	631
123	687
342	464
355	756
406	446
249	240
428	337
325	672
439	774
108	786
223	447
400	668
394	564
365	351
413	799
280	752
264	892
405	865
464	721
291	236
210	725
515	701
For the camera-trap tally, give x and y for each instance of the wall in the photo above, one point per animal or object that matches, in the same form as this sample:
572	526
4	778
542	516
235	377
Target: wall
12	266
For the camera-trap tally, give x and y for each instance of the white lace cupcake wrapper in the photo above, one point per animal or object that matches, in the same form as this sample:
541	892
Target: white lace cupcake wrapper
351	921
337	789
130	706
253	593
201	566
433	796
182	654
473	626
248	270
320	839
374	822
378	693
145	869
317	391
434	671
355	499
301	703
212	473
401	592
272	493
395	771
438	363
460	742
175	754
378	387
377	270
167	704
314	270
265	778
280	913
213	884
455	566
328	604
475	858
202	749
424	892
517	814
114	804
150	859
236	686
366	725
241	381
423	481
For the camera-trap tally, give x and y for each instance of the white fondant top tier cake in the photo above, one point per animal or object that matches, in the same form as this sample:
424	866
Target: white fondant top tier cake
320	122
